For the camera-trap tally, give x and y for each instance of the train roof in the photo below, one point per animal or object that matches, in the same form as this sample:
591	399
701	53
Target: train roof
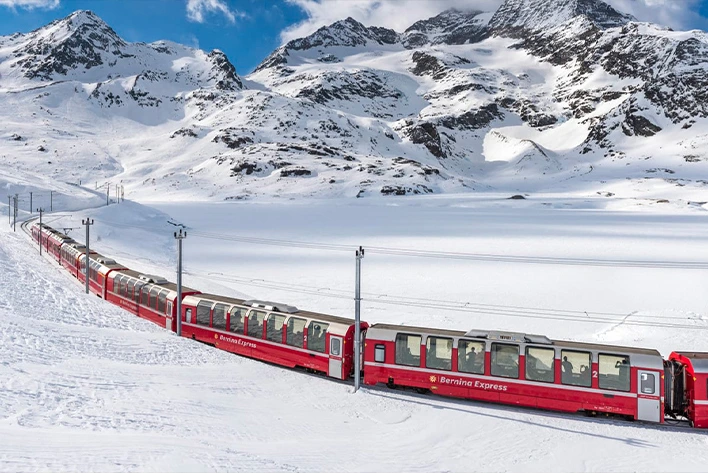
152	280
699	361
516	338
286	309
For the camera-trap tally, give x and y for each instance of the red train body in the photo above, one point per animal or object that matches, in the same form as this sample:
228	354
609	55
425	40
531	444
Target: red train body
500	367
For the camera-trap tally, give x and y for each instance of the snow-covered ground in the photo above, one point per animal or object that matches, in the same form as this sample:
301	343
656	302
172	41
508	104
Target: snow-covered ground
86	386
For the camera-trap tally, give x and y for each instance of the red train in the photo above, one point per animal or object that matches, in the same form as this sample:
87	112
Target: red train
501	367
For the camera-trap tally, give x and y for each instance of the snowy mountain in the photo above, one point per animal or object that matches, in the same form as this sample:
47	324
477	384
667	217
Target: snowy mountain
539	95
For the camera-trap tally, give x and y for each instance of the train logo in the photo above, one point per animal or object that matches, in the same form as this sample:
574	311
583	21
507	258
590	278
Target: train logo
433	379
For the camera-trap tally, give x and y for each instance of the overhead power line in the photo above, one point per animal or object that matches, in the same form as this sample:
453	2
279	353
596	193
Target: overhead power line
407	252
631	319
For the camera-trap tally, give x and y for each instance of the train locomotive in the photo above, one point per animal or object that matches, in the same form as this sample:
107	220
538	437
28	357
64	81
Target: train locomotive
500	367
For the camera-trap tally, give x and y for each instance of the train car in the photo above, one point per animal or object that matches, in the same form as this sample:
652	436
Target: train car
273	332
100	267
151	297
72	254
520	369
687	387
49	239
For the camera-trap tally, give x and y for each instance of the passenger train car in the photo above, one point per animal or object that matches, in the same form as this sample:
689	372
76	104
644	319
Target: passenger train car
500	367
522	369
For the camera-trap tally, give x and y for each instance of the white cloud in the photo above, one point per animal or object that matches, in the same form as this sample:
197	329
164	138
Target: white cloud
196	10
677	14
30	4
400	14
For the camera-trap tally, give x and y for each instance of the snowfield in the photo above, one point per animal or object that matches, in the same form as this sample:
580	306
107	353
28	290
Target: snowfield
595	124
88	387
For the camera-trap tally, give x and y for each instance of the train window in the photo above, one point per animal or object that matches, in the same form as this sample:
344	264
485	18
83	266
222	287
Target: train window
144	296
335	346
274	328
131	287
575	368
316	334
255	323
408	349
219	317
505	360
470	356
380	353
648	382
161	299
237	319
539	364
613	372
116	284
295	332
153	297
203	313
188	316
438	353
138	288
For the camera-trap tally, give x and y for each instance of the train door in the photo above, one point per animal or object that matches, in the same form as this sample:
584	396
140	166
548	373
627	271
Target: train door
648	396
169	318
335	357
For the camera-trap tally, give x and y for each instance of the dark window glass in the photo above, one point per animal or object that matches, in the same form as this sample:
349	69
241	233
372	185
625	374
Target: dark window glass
613	372
255	323
116	284
505	360
144	296
295	332
539	364
131	287
470	356
203	313
408	349
274	328
153	297
317	336
575	368
438	353
219	317
237	319
161	301
138	286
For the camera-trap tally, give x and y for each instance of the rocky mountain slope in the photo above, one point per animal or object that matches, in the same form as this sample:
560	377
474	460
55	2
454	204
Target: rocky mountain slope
563	95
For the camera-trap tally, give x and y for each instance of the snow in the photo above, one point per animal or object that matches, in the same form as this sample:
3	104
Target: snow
99	389
86	386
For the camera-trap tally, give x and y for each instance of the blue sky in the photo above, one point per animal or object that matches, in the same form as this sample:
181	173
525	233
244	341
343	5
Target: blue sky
248	30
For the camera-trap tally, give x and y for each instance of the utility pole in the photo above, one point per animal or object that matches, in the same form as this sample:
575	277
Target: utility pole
108	191
31	203
9	210
14	219
357	319
179	237
51	201
41	211
88	222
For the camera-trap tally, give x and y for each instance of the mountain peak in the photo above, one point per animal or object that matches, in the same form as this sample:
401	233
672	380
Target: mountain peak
347	32
82	39
517	16
453	26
